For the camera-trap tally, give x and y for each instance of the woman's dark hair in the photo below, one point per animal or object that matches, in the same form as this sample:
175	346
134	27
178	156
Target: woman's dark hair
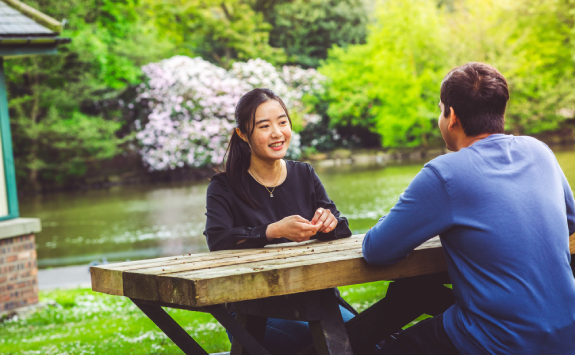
239	152
478	94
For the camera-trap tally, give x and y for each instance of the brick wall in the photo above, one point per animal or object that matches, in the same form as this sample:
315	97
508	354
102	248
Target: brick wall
18	272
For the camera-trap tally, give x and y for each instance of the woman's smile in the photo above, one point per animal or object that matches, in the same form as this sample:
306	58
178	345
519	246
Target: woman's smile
277	145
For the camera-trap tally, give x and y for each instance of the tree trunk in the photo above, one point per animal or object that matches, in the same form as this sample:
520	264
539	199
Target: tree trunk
34	180
517	129
34	115
424	140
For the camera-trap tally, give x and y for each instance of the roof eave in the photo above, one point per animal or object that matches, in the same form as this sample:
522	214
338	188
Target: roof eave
19	52
31	41
31	46
36	15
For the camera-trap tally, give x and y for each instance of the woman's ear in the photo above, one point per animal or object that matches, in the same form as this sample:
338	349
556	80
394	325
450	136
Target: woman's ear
241	135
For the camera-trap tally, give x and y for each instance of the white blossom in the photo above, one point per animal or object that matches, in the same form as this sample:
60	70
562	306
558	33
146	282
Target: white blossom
193	104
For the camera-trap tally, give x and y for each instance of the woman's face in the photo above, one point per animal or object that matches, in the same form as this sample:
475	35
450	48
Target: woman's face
272	133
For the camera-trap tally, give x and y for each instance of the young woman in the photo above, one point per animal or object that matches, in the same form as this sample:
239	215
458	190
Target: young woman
262	198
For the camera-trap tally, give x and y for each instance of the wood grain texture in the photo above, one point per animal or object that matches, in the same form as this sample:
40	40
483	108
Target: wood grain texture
230	276
212	259
297	277
107	281
110	278
209	278
186	266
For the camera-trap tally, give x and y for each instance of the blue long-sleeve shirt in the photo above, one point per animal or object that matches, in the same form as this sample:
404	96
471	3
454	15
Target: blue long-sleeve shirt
504	212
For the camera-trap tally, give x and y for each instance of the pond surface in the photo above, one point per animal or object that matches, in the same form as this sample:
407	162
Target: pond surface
147	221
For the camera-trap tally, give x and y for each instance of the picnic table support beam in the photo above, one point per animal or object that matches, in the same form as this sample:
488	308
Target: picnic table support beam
247	331
256	326
414	297
319	308
171	328
329	333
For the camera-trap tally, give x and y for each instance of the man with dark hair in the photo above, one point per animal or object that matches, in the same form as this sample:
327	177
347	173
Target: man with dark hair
479	95
504	212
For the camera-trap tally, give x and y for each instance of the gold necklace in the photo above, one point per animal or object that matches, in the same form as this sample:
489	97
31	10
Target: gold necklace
275	184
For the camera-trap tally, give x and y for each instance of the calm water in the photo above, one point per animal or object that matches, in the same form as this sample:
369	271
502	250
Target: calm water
138	222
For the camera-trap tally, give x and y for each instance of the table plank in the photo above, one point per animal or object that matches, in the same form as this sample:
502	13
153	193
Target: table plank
109	278
217	264
211	278
107	281
302	277
213	258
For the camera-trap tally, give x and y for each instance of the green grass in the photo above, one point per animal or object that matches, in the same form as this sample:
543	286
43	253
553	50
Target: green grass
86	322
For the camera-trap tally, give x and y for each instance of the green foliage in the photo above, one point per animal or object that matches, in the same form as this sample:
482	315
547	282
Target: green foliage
306	29
85	88
542	74
55	137
69	111
530	43
390	84
219	31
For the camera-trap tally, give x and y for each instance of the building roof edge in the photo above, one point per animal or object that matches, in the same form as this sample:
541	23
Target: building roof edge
35	15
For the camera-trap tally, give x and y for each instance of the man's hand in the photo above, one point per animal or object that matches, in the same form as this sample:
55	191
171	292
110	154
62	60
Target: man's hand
325	219
294	228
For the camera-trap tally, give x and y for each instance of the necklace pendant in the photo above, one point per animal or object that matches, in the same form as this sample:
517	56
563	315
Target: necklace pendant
271	195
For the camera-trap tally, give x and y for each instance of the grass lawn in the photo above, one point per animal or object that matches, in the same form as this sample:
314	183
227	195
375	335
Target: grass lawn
86	322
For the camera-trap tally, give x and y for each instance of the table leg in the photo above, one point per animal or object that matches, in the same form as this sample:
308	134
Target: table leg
171	328
247	331
256	326
329	333
406	300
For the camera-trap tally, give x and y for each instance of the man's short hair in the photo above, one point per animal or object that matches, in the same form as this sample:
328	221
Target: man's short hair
478	94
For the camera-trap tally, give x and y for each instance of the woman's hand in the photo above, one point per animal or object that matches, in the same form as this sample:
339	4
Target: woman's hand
325	220
294	228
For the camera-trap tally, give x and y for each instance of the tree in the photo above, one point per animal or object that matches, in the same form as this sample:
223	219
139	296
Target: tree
307	29
542	73
52	138
530	43
220	31
390	84
57	134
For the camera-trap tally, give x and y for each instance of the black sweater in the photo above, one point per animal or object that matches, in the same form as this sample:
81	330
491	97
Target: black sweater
230	220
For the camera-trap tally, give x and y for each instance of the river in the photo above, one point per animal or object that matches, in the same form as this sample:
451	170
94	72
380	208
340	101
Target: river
146	221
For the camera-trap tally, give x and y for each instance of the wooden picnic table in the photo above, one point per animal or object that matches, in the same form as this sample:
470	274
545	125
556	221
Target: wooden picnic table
288	281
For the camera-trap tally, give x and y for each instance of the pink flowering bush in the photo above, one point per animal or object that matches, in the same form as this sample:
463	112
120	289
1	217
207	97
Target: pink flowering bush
192	106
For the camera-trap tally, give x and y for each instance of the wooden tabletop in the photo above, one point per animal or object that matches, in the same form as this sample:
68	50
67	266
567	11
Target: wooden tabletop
197	280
